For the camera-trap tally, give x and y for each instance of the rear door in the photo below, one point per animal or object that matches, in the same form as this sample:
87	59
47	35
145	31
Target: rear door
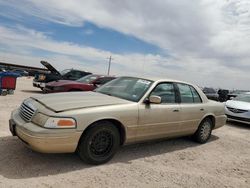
192	110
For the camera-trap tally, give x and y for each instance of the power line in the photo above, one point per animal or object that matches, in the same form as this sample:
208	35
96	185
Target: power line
110	59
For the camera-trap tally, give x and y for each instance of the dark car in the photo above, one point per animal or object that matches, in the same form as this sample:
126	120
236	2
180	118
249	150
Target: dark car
223	95
69	74
87	83
211	93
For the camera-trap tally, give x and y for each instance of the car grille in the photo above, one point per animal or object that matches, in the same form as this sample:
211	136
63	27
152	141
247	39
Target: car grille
26	111
235	110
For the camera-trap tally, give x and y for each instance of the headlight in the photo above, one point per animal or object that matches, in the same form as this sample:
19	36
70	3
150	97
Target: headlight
40	119
60	123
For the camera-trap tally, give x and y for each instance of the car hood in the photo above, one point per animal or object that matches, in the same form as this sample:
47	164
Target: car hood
50	67
238	104
74	100
62	83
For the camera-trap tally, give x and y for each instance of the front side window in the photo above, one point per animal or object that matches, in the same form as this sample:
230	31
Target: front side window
128	88
188	94
166	91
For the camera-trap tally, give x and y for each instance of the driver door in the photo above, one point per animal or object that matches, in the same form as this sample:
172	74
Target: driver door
159	120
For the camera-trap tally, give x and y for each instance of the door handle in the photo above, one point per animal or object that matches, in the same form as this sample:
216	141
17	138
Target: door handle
202	109
175	110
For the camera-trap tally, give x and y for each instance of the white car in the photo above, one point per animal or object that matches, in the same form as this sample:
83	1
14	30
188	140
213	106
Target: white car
238	109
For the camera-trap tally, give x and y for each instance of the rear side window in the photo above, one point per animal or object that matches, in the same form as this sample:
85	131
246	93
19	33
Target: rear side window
188	94
196	96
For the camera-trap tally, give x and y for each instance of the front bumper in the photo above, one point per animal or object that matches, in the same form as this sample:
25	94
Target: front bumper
238	117
44	140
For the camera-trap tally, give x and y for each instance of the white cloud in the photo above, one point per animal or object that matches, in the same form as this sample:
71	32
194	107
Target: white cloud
209	40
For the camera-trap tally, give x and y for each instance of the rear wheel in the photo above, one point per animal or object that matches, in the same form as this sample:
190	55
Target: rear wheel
204	131
99	144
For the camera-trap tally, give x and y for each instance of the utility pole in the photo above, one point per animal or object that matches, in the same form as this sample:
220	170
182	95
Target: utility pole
110	59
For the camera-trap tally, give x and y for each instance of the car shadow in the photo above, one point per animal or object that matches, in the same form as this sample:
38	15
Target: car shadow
32	91
153	148
238	125
19	162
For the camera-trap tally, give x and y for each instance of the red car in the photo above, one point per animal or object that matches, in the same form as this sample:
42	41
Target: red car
87	83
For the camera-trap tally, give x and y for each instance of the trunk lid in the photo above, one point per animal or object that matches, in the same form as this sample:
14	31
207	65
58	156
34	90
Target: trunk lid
50	67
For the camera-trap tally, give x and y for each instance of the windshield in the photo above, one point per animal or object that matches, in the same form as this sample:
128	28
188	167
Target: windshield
244	98
65	71
128	88
87	79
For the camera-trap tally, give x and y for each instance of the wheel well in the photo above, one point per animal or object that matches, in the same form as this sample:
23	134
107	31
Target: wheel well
118	124
212	118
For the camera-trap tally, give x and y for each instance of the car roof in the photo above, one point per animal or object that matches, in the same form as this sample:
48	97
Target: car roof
154	79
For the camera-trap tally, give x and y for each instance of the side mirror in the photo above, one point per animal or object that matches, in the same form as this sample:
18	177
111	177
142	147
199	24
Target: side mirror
155	99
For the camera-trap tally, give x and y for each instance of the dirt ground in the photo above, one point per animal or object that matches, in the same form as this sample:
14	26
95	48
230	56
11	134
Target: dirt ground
223	162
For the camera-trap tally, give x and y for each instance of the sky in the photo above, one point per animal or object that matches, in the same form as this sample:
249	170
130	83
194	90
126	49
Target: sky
205	42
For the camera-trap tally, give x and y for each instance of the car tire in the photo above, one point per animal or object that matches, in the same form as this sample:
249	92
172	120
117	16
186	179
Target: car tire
99	144
4	93
204	131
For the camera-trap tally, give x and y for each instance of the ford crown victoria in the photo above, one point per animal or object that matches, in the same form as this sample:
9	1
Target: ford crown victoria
123	111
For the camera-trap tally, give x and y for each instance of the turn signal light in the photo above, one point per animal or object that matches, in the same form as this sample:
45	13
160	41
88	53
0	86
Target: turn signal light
65	122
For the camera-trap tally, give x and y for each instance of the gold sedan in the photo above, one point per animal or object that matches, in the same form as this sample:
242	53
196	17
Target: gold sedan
123	111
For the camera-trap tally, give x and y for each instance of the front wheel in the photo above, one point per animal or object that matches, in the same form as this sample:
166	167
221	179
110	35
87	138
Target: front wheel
204	131
99	144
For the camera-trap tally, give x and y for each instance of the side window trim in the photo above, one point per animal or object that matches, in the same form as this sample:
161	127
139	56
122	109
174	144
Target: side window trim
191	92
177	93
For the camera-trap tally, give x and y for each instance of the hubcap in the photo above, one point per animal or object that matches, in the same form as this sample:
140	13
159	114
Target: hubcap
205	131
101	143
